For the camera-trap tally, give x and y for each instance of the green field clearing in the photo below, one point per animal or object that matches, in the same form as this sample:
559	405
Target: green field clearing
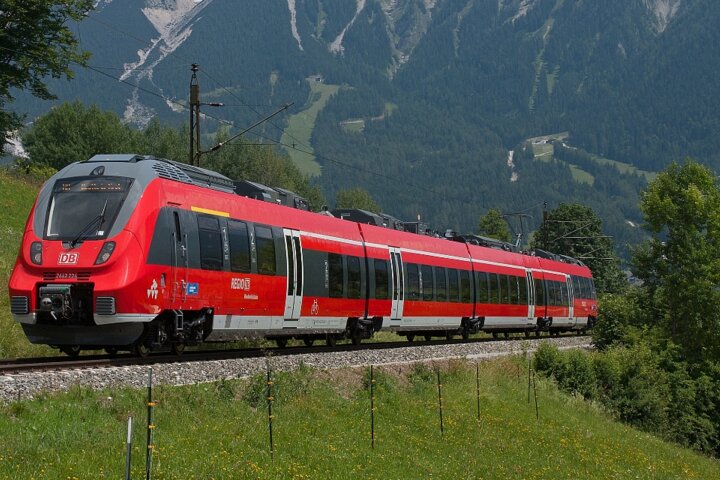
581	176
300	127
544	152
322	430
17	196
625	167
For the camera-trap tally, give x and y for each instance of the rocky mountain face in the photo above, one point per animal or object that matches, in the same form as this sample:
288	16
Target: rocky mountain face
432	83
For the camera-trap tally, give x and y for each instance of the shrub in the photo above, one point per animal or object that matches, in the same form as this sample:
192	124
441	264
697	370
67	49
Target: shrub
548	360
578	375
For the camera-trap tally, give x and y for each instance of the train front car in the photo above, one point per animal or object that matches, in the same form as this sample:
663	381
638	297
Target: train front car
80	280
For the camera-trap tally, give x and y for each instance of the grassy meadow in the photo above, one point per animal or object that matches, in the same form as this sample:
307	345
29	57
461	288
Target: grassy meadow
17	195
322	430
300	127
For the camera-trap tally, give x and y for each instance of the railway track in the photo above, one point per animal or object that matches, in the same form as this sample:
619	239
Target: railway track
50	364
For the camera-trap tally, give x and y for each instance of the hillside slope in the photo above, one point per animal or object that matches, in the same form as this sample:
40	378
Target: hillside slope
17	196
321	428
629	80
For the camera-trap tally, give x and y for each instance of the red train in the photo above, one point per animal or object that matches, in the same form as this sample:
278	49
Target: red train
126	252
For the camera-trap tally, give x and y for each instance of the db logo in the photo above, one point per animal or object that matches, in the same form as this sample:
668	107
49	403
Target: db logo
315	309
67	258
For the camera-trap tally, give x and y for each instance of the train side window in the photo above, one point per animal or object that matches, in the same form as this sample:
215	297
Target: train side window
587	288
382	279
453	286
592	289
239	246
494	288
552	293
265	248
413	281
335	275
559	294
354	281
564	294
523	292
483	296
577	287
555	293
210	243
539	292
504	292
427	282
514	294
465	287
441	284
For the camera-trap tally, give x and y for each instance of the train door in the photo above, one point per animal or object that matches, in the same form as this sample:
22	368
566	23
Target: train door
571	300
179	260
295	275
398	286
531	297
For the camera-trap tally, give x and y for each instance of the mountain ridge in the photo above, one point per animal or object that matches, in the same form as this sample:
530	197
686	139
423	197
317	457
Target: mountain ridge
469	81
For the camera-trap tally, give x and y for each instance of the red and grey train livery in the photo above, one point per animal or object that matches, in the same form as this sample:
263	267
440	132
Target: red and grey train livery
129	252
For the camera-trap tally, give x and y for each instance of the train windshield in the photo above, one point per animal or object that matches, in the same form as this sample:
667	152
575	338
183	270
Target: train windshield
84	208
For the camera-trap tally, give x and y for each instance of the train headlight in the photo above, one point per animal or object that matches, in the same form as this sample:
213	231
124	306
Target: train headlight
36	253
105	252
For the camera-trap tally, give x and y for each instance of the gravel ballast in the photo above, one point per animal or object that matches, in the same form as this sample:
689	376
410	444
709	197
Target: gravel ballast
27	385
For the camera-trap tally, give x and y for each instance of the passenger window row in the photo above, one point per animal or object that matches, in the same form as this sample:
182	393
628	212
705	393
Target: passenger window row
583	287
237	244
501	288
439	284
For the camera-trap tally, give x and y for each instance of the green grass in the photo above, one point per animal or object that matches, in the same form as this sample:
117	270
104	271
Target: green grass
544	152
625	167
17	195
581	176
301	125
322	430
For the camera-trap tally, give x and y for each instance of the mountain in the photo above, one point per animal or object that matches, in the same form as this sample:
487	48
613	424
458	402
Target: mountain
429	104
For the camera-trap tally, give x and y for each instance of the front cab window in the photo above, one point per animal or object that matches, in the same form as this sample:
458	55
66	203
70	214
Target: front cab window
85	207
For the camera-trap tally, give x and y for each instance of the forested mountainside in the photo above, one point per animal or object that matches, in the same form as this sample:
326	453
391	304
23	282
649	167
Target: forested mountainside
433	99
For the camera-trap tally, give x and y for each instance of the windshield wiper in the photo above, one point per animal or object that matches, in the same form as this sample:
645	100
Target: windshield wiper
100	217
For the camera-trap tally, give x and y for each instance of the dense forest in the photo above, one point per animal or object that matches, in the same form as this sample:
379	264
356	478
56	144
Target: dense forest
443	90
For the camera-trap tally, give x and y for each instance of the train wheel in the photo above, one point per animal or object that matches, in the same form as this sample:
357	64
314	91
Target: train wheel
527	333
428	338
465	334
178	348
71	351
281	342
495	334
356	339
537	333
308	342
330	340
142	350
111	351
410	338
506	334
448	335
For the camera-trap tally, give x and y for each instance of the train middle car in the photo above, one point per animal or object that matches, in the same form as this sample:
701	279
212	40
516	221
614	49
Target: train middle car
126	252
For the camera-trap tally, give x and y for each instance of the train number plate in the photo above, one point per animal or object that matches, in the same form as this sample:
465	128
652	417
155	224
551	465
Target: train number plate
67	258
